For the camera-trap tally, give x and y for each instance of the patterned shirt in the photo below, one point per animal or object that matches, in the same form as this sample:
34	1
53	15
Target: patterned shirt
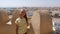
22	25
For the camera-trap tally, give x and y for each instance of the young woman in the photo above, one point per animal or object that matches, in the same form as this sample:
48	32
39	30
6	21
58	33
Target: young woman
22	22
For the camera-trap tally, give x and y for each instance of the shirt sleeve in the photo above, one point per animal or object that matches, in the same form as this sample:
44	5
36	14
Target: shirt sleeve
16	21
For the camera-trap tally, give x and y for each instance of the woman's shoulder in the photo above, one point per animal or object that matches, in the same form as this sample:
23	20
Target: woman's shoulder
18	18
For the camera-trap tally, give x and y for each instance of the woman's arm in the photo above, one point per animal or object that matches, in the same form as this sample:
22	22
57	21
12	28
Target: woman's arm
28	25
16	27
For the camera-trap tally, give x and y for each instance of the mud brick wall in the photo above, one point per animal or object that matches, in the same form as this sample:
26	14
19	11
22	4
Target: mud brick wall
45	22
5	28
3	16
35	21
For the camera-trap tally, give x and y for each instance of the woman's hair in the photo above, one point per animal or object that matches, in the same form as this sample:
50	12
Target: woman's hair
25	16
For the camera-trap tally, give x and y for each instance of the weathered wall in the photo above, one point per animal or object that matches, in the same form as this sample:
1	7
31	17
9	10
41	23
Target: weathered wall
5	28
45	22
3	16
35	21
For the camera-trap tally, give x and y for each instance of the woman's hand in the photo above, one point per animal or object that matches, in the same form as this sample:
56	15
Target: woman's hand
28	27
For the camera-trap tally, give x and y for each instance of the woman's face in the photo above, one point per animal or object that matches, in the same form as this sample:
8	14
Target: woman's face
22	13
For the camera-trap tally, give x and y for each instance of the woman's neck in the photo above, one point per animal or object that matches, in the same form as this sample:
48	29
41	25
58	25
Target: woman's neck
21	17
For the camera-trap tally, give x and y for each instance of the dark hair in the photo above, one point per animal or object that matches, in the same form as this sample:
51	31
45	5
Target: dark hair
25	16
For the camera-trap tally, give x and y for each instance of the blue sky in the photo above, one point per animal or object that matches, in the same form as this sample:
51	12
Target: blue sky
29	3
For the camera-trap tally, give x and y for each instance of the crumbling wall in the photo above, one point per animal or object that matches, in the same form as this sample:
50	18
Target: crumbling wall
45	22
3	16
6	28
35	21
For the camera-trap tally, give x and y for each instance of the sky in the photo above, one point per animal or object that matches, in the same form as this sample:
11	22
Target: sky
29	3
